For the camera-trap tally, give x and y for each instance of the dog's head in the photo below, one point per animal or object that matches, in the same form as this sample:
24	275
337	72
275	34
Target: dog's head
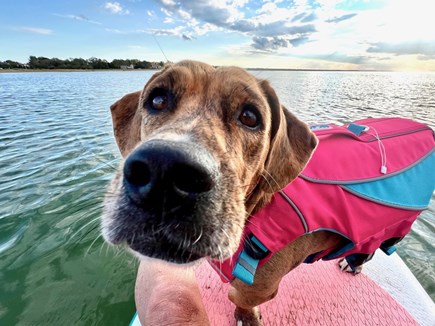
197	143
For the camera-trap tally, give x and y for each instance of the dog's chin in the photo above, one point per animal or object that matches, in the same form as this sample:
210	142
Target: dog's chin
164	250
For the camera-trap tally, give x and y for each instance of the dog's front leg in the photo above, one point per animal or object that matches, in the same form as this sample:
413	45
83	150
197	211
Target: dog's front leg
247	298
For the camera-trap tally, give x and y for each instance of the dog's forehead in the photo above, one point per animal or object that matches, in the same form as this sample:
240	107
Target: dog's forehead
236	73
194	74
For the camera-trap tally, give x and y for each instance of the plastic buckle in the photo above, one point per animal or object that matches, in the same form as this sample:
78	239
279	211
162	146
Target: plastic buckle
248	260
389	250
356	129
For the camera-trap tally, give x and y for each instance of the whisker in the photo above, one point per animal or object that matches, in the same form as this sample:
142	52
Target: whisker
87	251
200	235
84	226
273	179
267	180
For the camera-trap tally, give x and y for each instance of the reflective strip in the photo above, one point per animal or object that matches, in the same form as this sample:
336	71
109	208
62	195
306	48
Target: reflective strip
245	264
245	268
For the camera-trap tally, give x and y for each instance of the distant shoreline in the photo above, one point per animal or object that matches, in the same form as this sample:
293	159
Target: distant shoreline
137	70
70	70
22	70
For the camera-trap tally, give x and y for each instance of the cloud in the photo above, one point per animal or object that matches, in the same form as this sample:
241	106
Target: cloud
278	28
299	41
298	17
116	8
243	26
339	57
268	44
423	48
341	18
176	31
186	37
426	57
127	32
78	17
309	18
34	30
269	25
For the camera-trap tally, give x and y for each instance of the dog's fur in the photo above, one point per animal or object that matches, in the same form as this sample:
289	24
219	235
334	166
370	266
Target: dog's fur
202	118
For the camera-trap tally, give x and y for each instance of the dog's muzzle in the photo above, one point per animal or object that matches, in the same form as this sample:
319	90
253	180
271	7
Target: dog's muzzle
164	210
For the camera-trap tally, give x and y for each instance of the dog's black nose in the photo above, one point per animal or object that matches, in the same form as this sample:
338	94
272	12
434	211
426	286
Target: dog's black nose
169	174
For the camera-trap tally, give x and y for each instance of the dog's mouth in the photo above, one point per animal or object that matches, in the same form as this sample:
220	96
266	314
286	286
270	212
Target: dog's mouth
171	236
165	248
172	242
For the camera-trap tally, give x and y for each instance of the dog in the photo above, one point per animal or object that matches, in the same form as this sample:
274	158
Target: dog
205	149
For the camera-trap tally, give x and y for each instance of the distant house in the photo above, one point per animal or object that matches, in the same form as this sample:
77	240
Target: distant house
127	67
155	65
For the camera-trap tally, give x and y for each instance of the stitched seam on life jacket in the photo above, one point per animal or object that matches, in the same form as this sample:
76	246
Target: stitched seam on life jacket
349	182
298	212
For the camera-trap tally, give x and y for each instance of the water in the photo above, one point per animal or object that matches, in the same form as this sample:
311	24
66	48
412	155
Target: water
57	154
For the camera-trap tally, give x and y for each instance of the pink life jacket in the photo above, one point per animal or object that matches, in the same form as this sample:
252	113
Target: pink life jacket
367	181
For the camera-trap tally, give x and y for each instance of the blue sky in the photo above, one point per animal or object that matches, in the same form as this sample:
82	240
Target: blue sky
313	34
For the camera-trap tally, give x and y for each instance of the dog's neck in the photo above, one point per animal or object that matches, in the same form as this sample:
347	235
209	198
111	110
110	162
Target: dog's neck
257	200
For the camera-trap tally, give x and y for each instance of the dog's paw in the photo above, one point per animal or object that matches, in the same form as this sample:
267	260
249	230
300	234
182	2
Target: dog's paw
248	317
345	267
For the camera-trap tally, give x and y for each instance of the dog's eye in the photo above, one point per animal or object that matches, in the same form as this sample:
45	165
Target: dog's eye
159	100
249	117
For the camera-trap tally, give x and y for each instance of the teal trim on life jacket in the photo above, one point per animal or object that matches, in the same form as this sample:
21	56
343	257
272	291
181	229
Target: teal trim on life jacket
396	190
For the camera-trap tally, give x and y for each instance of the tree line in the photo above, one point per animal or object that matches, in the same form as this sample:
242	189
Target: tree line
79	63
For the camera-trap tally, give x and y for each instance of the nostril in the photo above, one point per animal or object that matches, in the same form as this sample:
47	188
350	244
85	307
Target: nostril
192	179
137	172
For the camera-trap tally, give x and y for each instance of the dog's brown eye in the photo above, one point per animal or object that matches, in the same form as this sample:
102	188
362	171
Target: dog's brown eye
159	99
249	117
160	102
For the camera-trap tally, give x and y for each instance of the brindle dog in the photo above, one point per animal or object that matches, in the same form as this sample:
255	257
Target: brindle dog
205	148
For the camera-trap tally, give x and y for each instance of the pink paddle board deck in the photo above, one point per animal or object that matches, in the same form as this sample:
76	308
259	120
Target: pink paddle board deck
316	294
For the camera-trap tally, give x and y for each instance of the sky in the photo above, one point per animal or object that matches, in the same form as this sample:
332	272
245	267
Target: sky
297	34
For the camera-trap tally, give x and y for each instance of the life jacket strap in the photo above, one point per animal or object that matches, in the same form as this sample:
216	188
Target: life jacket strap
248	260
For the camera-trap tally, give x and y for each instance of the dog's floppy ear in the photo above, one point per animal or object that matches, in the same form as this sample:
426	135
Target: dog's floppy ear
126	122
291	145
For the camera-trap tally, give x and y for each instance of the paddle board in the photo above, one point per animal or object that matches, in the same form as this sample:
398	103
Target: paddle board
385	293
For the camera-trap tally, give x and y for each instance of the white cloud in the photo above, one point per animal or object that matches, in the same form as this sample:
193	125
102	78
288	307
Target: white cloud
426	49
116	8
34	30
176	31
168	20
203	29
78	17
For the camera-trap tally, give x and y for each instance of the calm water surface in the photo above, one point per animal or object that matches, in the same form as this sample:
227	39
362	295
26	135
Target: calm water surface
57	154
